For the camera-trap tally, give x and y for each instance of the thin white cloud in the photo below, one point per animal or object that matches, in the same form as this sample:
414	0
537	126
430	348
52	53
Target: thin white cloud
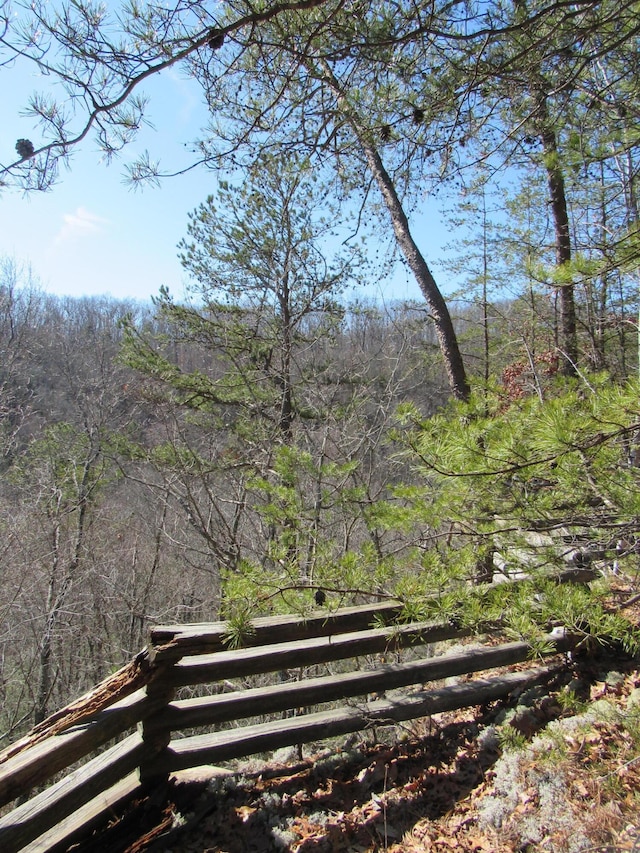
80	224
188	95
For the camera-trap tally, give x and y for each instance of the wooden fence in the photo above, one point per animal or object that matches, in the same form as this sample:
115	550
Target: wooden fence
138	709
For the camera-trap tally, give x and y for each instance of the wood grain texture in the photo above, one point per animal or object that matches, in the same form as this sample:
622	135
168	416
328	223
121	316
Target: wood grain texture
316	650
175	641
38	763
47	809
212	710
83	820
248	740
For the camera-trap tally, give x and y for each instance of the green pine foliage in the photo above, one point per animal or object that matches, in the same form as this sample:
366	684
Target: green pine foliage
526	487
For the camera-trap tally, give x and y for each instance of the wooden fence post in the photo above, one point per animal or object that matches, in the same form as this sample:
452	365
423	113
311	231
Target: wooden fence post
156	735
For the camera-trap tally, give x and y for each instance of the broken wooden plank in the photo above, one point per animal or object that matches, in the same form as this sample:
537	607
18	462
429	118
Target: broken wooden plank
35	764
131	677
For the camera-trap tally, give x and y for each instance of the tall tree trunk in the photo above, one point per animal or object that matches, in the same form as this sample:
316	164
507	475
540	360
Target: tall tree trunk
445	331
61	579
442	319
485	284
558	199
285	379
45	668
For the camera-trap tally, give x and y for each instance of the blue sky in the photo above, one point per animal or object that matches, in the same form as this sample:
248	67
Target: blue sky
93	235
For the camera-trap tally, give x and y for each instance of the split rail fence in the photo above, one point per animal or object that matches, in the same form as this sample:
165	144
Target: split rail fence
153	730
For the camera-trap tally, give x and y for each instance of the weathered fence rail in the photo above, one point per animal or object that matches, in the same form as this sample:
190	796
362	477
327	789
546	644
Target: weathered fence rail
138	708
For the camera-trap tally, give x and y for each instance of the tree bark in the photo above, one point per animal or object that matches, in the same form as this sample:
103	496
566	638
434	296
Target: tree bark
558	199
445	331
442	319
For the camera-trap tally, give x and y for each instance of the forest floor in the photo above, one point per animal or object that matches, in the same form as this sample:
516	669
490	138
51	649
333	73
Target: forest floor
557	769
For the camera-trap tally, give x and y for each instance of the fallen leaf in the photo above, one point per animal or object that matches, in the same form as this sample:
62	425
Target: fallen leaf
245	812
